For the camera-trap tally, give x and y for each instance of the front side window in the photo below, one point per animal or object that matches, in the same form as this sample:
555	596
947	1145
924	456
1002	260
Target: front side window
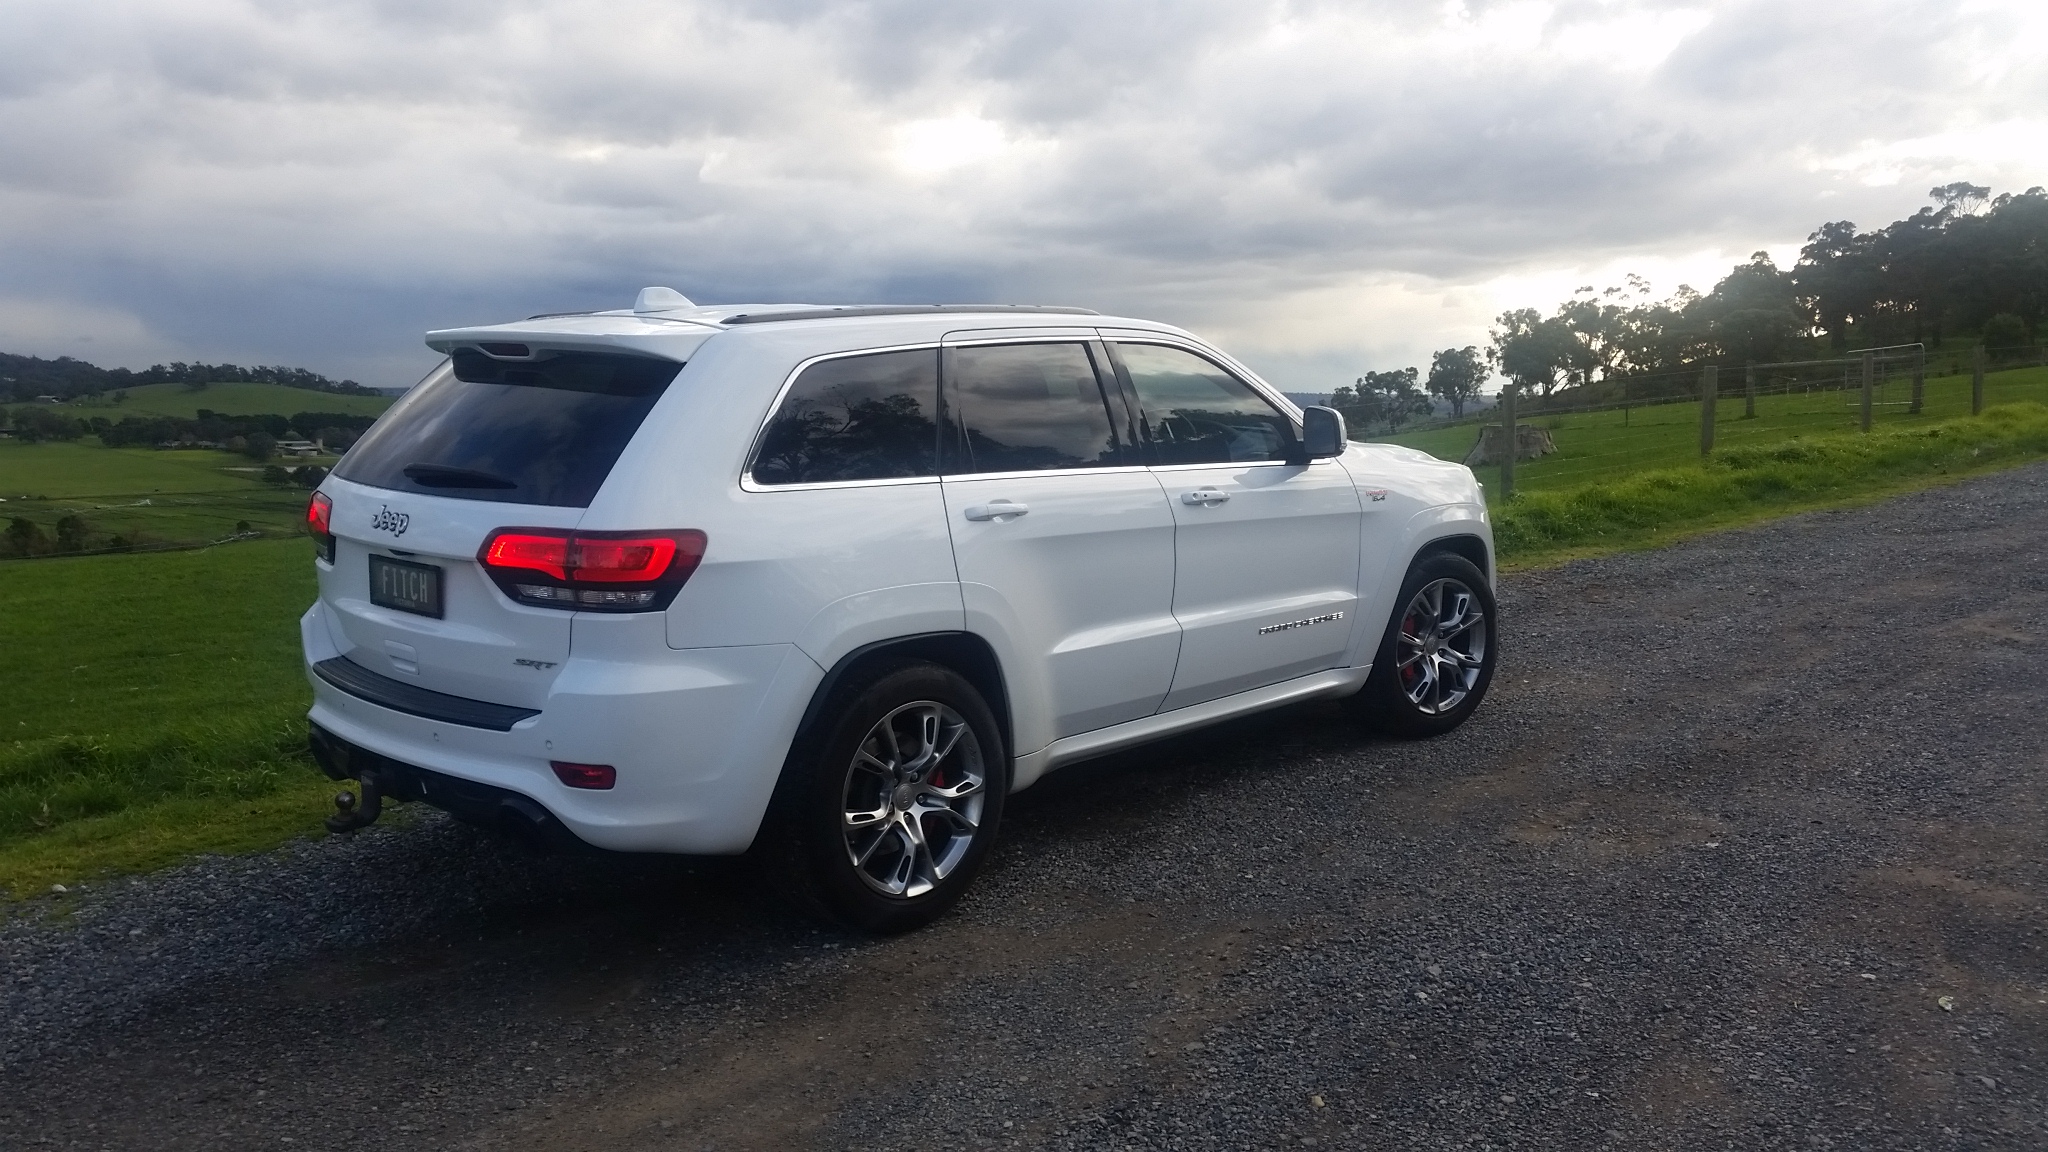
1027	407
1196	413
543	431
872	417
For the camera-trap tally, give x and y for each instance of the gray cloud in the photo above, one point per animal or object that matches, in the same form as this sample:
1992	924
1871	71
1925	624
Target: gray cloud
1329	186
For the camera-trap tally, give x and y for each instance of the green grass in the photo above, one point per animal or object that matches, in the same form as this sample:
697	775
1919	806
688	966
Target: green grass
1598	447
153	707
229	400
144	495
1748	483
81	468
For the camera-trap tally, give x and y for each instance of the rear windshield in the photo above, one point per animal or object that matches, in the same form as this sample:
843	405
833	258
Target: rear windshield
540	432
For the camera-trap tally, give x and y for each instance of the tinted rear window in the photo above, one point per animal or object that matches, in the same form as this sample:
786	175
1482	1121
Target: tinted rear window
540	432
855	418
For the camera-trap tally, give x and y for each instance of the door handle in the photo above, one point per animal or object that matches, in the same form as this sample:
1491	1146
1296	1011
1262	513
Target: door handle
995	509
1204	496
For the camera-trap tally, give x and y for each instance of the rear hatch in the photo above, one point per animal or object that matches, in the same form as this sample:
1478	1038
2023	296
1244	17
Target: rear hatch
485	443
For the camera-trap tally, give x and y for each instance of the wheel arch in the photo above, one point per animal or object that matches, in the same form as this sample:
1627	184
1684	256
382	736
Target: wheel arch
963	652
1469	546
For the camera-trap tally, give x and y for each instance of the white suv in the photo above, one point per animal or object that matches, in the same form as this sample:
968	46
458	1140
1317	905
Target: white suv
830	583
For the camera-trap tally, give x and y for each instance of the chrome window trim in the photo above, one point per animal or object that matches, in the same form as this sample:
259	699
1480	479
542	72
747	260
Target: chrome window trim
965	477
747	482
1238	464
1245	376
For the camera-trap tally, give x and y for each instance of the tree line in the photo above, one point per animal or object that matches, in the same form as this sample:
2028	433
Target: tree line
255	436
1967	264
24	378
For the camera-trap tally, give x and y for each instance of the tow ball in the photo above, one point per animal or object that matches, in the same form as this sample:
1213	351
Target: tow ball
349	815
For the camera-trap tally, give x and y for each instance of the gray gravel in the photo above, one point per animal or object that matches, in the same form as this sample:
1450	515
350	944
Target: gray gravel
1739	815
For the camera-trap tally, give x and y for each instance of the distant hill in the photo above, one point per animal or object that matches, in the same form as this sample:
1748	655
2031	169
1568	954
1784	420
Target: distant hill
25	378
226	399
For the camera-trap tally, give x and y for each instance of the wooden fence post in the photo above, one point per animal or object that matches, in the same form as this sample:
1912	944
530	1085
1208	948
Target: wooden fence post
1869	383
1749	392
1710	388
1977	380
1510	448
1919	380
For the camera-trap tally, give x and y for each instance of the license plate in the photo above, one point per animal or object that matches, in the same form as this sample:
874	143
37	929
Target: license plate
405	586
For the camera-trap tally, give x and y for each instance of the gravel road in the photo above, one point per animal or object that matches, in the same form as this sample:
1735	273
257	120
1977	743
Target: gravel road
1745	851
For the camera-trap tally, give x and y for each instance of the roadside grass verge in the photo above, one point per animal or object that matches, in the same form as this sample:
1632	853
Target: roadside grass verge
1743	484
1614	445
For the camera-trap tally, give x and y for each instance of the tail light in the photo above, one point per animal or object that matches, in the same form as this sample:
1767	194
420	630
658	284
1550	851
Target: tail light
319	521
591	571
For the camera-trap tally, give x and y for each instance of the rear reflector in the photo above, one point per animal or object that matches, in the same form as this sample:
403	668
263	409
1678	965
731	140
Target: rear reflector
591	571
585	775
320	524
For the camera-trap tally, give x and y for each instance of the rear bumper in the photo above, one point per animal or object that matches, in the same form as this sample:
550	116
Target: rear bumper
698	737
484	805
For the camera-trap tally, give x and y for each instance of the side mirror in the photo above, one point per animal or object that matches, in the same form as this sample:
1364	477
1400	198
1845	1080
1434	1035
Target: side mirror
1322	433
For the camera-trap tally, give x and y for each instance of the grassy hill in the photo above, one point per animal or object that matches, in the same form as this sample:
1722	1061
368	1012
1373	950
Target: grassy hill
230	400
146	496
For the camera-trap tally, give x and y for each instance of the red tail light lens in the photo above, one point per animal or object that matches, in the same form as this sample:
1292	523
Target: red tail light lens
592	571
319	524
598	776
549	554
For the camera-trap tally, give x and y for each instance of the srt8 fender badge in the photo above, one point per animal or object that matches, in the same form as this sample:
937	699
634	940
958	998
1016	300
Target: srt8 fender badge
388	521
536	665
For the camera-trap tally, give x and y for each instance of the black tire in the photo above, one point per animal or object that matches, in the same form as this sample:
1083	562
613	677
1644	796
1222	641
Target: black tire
1390	695
827	776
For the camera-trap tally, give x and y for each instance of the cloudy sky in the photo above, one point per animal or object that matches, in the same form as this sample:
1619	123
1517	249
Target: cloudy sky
1322	187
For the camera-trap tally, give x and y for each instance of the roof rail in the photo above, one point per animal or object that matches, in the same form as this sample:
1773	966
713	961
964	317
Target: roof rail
852	311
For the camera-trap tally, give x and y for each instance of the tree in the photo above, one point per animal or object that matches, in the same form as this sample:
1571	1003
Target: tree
1753	315
260	446
71	533
1529	350
1455	375
2005	330
1381	399
24	537
37	423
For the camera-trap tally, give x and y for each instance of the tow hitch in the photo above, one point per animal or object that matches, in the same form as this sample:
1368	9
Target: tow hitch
348	817
340	761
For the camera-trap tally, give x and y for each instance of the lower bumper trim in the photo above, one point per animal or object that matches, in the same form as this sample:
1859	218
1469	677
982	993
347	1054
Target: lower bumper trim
484	805
414	700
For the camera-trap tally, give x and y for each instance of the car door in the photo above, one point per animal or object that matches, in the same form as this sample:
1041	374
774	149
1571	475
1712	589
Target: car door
1265	544
1062	537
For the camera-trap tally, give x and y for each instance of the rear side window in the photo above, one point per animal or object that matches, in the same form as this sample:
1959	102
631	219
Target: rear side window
872	417
1196	413
541	432
1028	407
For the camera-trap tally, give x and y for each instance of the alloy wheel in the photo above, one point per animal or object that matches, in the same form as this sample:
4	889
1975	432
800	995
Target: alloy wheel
1442	647
913	799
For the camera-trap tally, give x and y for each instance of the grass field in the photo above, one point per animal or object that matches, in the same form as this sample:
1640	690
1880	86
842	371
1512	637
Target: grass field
227	399
1600	447
151	706
144	495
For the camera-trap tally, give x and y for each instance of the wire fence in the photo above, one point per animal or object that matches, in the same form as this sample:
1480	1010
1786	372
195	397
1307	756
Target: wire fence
1630	424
